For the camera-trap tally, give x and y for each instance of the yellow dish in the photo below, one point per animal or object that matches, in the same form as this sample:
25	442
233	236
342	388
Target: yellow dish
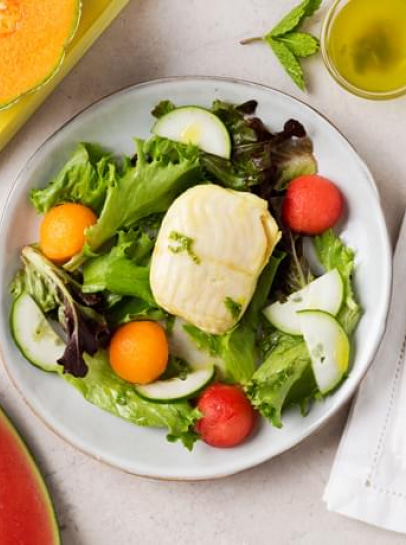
96	17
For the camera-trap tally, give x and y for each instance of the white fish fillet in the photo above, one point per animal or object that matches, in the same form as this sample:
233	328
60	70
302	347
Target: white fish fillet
231	236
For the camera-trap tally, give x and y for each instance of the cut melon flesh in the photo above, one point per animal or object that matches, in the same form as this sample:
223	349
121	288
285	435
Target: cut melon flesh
193	125
325	293
33	38
27	514
328	346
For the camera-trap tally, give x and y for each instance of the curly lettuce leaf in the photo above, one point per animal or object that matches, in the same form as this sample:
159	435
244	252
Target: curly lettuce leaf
334	254
274	380
163	170
84	179
54	290
104	389
236	348
238	351
130	309
119	275
204	341
136	244
286	377
121	271
303	392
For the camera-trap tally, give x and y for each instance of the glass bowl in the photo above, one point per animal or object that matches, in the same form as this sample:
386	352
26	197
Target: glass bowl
328	24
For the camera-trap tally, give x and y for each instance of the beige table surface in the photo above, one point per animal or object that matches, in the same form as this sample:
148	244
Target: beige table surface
279	502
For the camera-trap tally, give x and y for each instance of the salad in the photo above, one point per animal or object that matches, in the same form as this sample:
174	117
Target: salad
198	283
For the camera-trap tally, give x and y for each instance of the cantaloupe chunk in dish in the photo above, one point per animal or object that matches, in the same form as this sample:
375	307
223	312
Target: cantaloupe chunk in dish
33	37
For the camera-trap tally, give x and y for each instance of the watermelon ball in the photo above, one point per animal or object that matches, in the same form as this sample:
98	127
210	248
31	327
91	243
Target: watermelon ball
312	205
228	417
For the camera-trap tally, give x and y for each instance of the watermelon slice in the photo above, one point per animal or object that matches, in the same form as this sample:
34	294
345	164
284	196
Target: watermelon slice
26	511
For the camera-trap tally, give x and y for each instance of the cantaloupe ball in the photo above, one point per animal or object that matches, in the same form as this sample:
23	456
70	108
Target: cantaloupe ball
62	232
139	352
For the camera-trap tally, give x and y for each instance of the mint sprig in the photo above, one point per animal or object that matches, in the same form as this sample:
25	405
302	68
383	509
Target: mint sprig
295	18
288	44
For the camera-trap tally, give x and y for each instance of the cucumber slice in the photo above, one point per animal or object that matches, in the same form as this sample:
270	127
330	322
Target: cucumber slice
182	345
194	125
328	346
34	335
176	389
325	293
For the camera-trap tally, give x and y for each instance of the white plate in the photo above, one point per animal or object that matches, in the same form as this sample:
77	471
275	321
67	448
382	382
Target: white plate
113	122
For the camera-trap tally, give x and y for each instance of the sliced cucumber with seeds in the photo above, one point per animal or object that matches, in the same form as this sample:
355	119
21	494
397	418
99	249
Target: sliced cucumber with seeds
325	293
34	335
176	389
328	346
194	125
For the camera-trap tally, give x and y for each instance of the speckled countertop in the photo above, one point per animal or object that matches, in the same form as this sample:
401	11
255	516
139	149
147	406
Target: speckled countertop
279	502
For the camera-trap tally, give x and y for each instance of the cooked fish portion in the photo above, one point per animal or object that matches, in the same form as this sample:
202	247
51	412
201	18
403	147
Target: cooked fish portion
212	246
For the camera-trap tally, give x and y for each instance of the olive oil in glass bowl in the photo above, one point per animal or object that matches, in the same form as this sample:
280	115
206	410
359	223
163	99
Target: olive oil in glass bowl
364	46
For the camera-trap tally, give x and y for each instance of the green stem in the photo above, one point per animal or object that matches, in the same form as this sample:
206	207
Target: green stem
251	40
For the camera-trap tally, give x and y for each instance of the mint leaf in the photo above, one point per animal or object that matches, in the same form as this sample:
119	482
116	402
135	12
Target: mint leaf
288	61
312	7
301	44
295	18
288	45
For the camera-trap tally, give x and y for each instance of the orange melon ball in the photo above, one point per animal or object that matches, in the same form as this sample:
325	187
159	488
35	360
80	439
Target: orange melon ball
62	231
139	352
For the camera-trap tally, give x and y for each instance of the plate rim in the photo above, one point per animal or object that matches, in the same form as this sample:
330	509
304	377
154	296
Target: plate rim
324	420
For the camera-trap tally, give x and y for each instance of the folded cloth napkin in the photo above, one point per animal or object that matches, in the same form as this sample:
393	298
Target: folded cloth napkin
368	480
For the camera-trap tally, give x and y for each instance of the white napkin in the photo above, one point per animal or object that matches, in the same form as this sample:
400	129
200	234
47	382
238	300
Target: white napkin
368	480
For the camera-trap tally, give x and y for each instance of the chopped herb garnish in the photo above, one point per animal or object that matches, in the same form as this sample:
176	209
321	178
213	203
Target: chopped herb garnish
233	307
184	244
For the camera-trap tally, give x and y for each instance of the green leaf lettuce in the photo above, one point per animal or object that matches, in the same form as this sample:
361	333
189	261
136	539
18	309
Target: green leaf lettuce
272	382
163	170
83	179
103	388
120	271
